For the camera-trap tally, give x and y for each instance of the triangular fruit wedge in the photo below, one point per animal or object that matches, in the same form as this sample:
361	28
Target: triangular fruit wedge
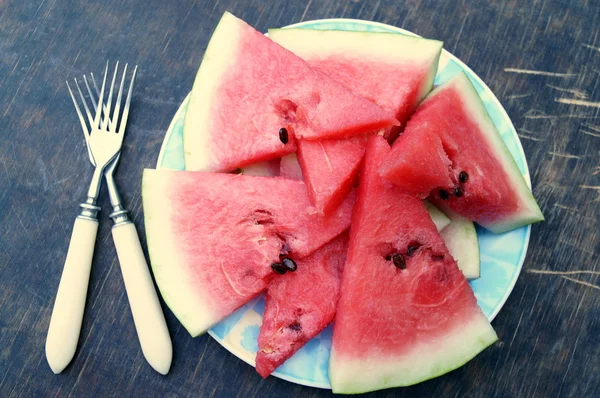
252	98
406	312
395	71
330	169
468	168
300	305
213	237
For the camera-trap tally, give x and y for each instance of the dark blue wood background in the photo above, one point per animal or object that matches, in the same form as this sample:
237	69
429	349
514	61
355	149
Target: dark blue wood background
550	327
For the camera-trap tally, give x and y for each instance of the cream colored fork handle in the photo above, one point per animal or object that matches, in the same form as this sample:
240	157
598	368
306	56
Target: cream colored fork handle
147	314
67	315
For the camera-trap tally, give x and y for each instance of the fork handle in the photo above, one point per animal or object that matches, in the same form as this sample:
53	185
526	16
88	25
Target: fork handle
147	313
67	314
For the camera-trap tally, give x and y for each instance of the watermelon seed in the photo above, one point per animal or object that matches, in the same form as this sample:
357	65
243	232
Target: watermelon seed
295	326
412	249
437	257
283	135
289	264
444	195
458	191
463	176
279	268
399	261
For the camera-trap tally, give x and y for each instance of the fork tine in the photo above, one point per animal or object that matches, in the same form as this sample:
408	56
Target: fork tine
100	100
87	110
109	102
127	103
86	132
79	114
110	121
94	103
115	117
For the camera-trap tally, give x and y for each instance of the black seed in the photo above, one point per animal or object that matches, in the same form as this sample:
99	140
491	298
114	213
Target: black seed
437	257
283	135
399	261
458	191
295	326
289	264
412	249
388	257
463	177
279	268
444	194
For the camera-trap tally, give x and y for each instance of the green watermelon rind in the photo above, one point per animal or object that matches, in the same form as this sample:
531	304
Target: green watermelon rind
184	301
355	376
221	50
462	242
440	219
531	212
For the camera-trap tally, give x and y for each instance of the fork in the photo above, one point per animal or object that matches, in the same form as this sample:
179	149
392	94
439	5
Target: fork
147	312
104	142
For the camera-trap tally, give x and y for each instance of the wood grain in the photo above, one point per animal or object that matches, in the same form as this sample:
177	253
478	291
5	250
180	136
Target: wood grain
540	57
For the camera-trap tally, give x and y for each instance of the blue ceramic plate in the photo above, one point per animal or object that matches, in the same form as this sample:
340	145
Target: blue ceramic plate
502	255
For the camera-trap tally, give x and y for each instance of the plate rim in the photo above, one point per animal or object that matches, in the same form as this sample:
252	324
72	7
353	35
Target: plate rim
472	74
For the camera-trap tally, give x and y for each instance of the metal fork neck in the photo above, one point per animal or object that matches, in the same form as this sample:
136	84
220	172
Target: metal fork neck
119	214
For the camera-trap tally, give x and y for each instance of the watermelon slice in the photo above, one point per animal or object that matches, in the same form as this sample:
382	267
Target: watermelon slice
406	313
393	70
212	237
300	305
465	164
330	169
252	98
460	237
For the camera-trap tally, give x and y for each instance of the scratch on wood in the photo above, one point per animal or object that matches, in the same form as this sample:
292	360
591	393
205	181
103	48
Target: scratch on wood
539	72
590	133
515	96
591	47
528	135
565	207
594	187
592	127
577	93
580	282
305	10
566	116
578	102
564	155
574	272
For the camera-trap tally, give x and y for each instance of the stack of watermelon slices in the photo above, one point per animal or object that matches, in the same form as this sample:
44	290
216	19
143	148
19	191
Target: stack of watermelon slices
310	128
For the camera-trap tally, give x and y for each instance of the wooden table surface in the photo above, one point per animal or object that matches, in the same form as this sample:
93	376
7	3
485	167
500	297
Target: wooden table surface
541	58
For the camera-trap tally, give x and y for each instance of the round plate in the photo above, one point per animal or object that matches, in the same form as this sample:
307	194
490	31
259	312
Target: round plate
502	255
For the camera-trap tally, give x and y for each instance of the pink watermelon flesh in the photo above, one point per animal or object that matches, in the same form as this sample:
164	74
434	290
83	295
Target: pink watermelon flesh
248	88
290	168
300	305
212	237
396	76
330	169
398	326
495	194
421	162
